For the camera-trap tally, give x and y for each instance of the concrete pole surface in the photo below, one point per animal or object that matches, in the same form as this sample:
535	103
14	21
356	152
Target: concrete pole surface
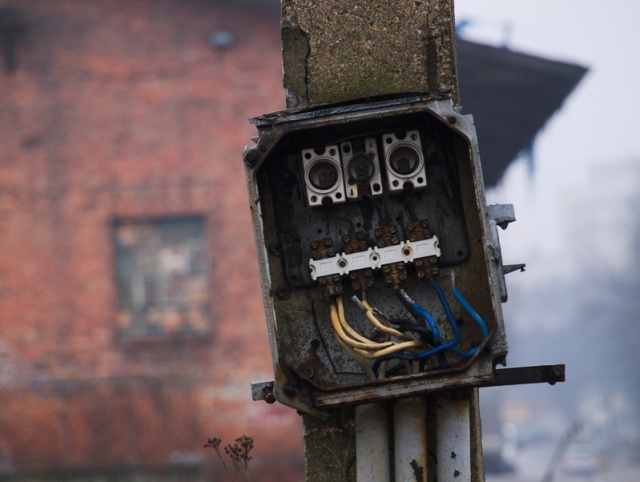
343	50
338	50
372	443
453	451
410	439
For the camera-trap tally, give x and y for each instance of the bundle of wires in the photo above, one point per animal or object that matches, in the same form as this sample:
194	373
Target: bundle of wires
396	342
362	348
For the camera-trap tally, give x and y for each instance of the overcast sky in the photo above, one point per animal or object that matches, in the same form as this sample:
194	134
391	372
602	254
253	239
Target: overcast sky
597	123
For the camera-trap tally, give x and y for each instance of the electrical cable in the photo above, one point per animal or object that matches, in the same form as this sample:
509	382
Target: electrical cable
337	326
401	346
454	325
474	314
419	314
406	325
364	348
383	366
372	318
419	356
346	325
359	359
424	315
445	346
485	331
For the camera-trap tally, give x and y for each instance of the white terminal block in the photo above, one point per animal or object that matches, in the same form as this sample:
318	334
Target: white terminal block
374	258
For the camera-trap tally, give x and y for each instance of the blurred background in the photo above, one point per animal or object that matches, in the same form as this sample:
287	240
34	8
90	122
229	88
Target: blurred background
576	192
131	318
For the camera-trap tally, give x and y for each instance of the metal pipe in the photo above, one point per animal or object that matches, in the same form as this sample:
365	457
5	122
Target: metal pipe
372	443
410	439
453	446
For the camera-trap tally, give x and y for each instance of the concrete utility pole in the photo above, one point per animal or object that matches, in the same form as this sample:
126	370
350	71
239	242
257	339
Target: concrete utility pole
341	50
368	203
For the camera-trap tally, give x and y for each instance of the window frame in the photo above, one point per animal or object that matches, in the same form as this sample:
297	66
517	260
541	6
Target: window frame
159	318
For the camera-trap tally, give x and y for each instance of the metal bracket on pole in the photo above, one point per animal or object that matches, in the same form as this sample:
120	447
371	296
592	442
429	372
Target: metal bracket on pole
550	374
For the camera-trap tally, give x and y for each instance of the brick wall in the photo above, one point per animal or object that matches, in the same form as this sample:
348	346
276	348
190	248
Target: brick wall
124	110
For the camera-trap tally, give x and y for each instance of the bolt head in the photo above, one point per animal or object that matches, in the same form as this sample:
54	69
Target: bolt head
251	156
268	396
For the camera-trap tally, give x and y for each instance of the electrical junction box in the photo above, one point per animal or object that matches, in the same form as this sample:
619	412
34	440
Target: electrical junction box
379	258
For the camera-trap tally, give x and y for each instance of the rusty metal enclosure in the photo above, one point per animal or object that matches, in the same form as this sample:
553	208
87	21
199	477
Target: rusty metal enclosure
326	194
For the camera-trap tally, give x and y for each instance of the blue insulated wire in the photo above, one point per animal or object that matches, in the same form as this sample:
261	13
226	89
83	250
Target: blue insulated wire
432	324
467	306
445	306
418	313
418	356
454	326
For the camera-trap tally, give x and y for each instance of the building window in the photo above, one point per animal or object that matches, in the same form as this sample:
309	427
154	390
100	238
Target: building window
162	275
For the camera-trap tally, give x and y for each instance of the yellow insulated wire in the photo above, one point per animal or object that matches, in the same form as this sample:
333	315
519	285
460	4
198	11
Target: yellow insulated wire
337	326
385	329
346	325
358	358
383	366
396	347
361	347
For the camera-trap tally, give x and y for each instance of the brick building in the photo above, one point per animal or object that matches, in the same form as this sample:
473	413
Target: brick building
131	318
